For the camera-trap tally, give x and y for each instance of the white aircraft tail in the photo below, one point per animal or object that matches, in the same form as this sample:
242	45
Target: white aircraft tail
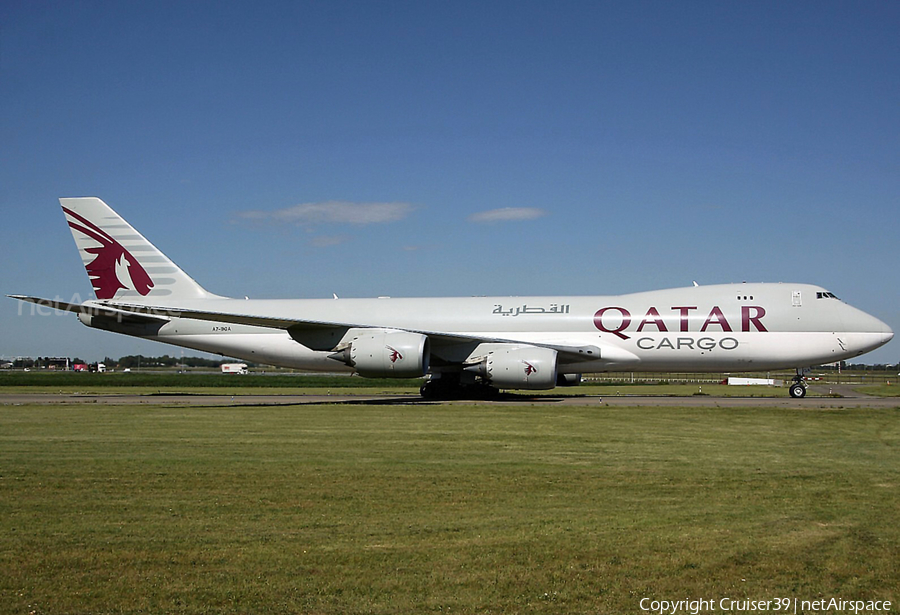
121	264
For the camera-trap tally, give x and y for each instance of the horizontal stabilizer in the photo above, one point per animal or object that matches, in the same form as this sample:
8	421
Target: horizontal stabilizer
93	310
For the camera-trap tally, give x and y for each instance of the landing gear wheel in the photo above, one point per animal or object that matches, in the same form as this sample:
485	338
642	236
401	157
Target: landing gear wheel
797	390
428	391
449	387
483	391
446	387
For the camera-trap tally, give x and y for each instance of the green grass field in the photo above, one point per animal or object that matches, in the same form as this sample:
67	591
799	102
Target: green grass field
171	380
456	508
167	382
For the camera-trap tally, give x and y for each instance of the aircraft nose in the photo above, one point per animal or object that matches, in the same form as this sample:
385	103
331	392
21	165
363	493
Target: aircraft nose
887	334
881	328
879	332
866	331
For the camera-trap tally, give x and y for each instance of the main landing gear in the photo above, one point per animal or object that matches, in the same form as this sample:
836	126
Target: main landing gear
449	386
798	388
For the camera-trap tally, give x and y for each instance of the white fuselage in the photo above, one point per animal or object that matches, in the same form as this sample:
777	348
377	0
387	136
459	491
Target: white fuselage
736	327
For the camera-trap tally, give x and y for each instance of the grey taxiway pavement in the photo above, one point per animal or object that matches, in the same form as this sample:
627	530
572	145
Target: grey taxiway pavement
849	399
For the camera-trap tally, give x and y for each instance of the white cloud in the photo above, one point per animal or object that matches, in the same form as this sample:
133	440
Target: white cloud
326	241
507	214
333	212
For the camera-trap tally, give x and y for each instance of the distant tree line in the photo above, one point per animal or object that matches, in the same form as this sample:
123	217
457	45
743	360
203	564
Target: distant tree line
43	362
862	367
133	361
126	362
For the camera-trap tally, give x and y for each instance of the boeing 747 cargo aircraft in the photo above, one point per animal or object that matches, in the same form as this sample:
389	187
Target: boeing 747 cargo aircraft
465	345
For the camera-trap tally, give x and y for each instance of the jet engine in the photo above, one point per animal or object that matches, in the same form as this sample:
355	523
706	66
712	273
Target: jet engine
568	380
387	354
517	367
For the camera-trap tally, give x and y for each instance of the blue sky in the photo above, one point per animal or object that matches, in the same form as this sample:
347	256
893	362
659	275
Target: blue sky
462	148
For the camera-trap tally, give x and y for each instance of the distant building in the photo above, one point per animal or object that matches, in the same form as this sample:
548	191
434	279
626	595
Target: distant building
54	363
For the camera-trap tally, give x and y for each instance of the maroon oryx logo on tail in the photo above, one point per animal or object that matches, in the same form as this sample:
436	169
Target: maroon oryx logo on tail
109	256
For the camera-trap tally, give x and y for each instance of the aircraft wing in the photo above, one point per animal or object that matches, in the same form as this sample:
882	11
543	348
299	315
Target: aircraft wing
310	332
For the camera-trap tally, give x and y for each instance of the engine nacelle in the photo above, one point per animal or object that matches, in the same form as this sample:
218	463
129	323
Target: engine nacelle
387	354
518	367
568	380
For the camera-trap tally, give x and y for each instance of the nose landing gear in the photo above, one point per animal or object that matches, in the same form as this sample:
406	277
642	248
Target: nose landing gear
798	388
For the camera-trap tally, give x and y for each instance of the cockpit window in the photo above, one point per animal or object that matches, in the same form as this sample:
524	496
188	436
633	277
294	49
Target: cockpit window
826	295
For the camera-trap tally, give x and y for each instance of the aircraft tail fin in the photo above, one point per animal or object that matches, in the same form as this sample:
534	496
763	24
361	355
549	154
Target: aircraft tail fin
120	262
